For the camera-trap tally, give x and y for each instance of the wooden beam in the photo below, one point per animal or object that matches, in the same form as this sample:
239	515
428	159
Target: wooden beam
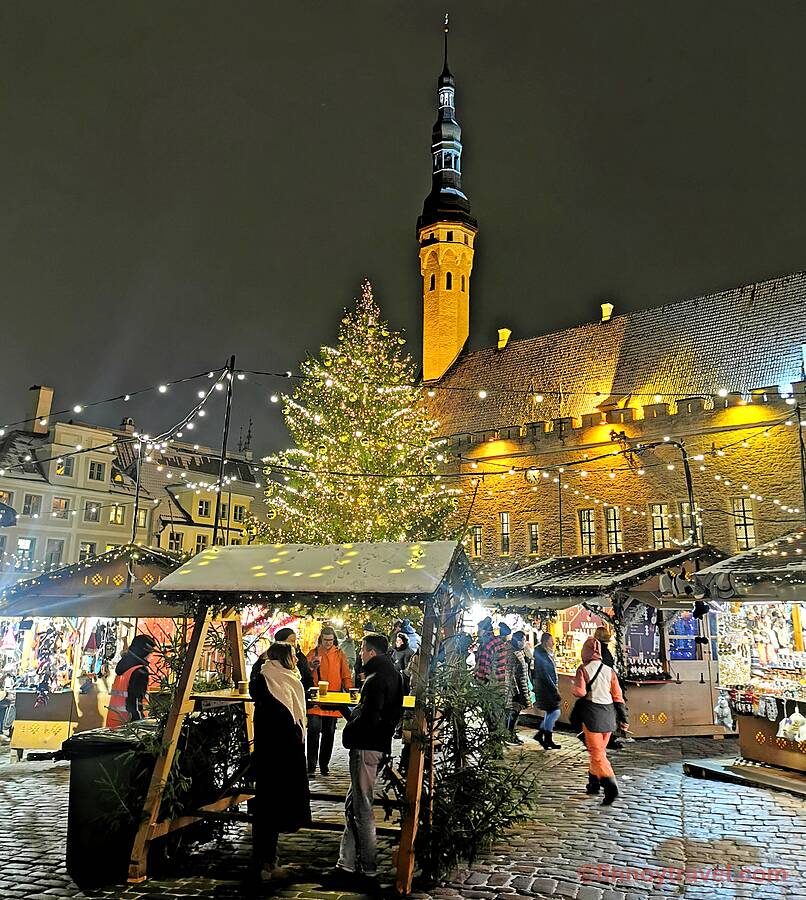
162	766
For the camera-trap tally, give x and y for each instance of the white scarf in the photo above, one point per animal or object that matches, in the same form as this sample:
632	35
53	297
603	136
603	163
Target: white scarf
285	686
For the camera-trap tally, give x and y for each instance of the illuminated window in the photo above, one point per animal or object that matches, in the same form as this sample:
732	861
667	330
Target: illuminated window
175	541
60	507
110	547
26	549
97	470
223	511
116	515
659	523
92	511
238	513
65	467
433	282
448	281
743	523
615	539
54	550
202	540
476	547
504	520
7	497
142	518
587	532
534	538
86	549
204	509
31	505
685	522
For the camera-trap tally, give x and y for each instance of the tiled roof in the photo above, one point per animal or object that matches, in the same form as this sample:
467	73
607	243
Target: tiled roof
743	338
13	450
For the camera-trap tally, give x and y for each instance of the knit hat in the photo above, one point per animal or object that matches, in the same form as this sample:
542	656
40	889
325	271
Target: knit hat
486	624
406	627
504	630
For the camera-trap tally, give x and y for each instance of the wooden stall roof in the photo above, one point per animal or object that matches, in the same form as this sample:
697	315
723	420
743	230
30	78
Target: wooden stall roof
97	586
382	568
561	582
772	571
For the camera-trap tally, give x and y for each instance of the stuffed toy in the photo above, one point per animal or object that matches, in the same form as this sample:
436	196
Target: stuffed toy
722	714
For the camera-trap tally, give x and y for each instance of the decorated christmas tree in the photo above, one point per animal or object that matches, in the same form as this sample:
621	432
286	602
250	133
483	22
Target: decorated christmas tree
363	465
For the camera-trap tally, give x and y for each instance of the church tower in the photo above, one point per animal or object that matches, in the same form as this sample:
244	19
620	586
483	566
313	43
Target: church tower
447	235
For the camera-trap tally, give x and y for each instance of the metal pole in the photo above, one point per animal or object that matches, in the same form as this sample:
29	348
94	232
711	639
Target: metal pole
692	514
560	506
139	448
224	439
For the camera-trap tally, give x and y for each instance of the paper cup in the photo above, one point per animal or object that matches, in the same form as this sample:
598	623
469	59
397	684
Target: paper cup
243	687
323	686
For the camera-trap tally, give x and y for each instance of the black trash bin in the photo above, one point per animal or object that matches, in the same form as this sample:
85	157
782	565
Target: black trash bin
109	774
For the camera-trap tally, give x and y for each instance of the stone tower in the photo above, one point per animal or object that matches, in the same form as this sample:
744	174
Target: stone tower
447	234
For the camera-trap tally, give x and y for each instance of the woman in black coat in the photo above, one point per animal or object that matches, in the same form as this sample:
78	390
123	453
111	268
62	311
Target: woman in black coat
547	694
282	801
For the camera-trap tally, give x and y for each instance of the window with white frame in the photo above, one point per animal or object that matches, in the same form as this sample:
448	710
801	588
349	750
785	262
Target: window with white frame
659	525
238	513
534	539
505	533
65	466
223	510
117	514
476	546
587	532
92	511
26	550
744	523
7	497
142	518
54	551
202	540
97	470
86	549
32	505
204	509
615	538
175	541
60	507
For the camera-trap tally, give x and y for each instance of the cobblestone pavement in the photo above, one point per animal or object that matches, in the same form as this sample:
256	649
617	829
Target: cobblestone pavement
664	821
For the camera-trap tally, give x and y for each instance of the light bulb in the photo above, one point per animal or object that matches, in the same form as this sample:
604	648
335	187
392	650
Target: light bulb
163	388
482	395
78	408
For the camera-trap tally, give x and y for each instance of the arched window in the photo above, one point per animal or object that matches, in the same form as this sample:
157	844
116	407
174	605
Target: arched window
463	282
433	282
448	281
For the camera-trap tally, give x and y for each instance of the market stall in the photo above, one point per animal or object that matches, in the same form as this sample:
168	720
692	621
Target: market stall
433	576
759	596
63	631
666	656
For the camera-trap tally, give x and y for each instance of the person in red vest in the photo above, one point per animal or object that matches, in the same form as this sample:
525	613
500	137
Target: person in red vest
131	683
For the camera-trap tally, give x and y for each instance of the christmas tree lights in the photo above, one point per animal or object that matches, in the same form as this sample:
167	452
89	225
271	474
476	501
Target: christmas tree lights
363	465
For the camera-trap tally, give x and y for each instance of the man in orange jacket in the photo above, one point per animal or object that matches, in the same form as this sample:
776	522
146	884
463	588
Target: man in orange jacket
329	664
131	683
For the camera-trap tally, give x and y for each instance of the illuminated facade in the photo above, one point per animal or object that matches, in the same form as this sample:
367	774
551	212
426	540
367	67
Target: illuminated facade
546	431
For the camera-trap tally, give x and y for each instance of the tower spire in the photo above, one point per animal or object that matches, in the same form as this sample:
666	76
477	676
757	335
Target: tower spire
445	28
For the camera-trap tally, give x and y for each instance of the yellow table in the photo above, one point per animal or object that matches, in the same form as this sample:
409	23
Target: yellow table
337	698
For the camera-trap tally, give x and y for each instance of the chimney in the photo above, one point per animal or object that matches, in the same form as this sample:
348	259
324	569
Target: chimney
40	408
127	425
504	335
607	311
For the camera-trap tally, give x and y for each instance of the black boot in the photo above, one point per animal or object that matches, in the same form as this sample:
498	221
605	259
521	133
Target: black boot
610	790
548	741
540	737
593	785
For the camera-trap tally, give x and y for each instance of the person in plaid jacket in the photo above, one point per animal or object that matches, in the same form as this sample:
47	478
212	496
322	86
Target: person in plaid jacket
492	658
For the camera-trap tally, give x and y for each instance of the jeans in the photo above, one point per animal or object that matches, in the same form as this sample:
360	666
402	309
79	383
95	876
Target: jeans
512	720
324	727
358	843
550	720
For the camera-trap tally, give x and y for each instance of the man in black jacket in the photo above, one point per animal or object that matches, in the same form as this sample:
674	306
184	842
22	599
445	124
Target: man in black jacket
368	737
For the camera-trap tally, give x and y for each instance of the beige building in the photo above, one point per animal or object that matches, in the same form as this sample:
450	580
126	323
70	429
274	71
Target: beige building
651	429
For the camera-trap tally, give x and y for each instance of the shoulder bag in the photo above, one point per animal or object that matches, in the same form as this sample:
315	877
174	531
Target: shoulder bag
575	719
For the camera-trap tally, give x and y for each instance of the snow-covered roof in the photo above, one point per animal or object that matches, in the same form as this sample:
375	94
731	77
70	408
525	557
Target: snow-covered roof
362	568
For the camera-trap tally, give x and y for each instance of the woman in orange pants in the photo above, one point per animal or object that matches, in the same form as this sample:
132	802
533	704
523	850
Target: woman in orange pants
601	712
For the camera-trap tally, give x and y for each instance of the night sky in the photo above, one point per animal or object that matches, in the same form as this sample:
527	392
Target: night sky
183	181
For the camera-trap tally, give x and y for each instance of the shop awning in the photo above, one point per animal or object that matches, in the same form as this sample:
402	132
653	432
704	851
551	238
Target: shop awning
773	571
561	582
112	585
317	569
